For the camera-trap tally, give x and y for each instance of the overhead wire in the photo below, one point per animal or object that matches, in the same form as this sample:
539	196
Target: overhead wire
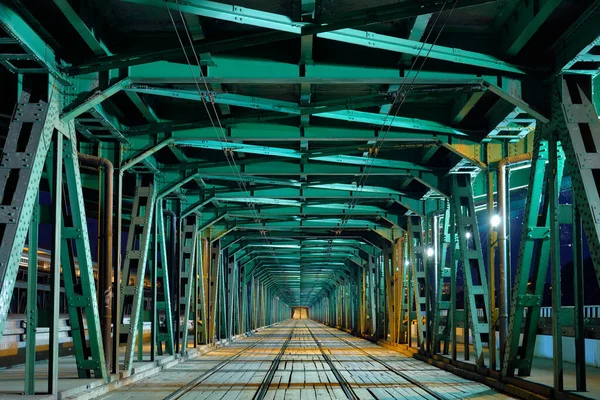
374	150
229	154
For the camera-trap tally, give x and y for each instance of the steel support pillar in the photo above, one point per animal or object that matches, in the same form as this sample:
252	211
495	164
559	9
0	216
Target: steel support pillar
417	254
475	280
134	269
532	266
187	277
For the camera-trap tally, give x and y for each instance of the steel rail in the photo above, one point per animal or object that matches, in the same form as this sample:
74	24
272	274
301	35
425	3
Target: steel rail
392	369
348	391
266	382
196	381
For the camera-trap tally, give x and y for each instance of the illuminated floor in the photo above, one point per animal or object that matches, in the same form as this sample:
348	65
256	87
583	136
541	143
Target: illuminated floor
301	359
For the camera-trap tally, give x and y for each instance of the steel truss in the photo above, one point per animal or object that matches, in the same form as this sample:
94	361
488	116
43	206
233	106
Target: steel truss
419	278
30	134
163	316
475	280
187	279
134	268
441	327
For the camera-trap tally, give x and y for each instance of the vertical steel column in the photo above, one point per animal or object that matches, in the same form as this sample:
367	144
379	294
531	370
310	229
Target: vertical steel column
23	155
80	290
578	129
32	315
187	276
578	292
475	280
454	257
417	254
553	186
371	282
57	199
164	331
134	270
389	271
492	245
532	266
441	328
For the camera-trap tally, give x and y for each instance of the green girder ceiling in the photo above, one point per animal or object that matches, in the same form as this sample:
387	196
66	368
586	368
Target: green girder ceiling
305	175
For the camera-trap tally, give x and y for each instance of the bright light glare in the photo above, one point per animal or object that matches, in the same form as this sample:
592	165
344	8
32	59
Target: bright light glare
430	252
407	263
495	220
468	235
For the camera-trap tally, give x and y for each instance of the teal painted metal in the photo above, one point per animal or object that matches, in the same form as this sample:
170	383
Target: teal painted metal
32	292
188	263
41	118
418	261
577	122
164	330
362	38
441	327
134	268
87	34
295	109
33	44
475	279
80	290
522	22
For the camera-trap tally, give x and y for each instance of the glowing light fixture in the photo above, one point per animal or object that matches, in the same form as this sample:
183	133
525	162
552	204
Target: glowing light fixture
495	220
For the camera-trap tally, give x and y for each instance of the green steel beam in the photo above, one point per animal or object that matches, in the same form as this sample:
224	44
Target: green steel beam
89	36
523	21
295	154
294	109
229	69
219	45
31	42
284	24
581	33
415	48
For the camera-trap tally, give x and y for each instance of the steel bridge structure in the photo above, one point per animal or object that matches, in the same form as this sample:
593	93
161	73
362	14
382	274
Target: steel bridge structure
402	170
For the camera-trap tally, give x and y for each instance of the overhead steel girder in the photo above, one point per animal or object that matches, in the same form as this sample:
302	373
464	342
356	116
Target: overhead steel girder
521	22
294	109
284	24
220	45
243	244
31	42
316	250
235	69
295	154
288	168
578	38
415	48
325	223
88	34
283	195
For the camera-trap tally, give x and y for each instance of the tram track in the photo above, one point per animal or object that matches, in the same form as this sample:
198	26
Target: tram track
344	385
266	382
198	380
418	384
